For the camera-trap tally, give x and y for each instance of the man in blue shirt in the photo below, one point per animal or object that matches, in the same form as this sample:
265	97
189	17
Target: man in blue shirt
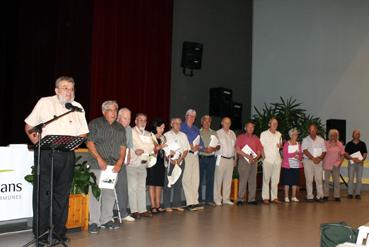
191	173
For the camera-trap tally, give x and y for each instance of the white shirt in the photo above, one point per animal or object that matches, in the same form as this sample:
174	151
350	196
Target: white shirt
141	140
270	143
313	146
73	124
227	142
180	138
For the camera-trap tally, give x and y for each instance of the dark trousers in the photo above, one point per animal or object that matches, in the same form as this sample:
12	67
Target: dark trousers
63	175
121	188
176	188
207	169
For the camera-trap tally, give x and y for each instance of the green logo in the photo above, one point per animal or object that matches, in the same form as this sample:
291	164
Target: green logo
6	170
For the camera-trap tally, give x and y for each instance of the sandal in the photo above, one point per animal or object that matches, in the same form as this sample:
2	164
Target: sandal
154	210
160	210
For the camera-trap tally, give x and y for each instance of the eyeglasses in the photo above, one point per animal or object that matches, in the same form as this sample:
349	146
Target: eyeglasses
66	89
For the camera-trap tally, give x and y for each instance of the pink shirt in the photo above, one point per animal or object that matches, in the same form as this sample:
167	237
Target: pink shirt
333	156
287	155
253	142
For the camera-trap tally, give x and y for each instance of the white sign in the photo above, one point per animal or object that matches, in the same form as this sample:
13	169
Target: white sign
15	192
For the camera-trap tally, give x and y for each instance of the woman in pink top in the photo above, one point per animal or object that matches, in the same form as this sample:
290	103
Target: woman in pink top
332	163
291	164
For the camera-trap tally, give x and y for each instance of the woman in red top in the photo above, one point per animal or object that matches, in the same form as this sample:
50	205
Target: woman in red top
332	163
291	164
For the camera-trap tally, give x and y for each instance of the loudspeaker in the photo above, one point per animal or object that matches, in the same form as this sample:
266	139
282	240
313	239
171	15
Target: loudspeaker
338	124
220	102
191	55
236	116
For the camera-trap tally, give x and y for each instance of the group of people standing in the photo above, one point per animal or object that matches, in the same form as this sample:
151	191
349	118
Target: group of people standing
186	160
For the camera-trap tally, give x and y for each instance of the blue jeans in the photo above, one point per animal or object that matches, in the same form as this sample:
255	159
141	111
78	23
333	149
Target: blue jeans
355	169
207	169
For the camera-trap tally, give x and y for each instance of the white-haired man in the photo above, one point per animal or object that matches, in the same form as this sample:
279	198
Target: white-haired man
107	145
191	176
73	124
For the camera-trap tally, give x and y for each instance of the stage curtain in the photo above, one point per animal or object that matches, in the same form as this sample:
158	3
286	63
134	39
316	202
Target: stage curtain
131	56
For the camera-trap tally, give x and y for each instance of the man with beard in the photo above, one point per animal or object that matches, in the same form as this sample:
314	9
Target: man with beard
73	124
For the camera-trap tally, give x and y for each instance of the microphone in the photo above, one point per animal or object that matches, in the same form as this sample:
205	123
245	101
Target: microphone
71	107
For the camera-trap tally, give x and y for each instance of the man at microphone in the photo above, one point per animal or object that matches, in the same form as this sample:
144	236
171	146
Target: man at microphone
73	124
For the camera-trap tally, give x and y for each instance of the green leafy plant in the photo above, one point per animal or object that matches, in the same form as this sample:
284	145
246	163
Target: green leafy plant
289	114
83	178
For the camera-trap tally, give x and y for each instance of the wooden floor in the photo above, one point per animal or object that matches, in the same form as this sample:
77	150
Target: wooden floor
294	224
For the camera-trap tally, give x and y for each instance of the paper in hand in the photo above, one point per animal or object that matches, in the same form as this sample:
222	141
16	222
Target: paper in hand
108	178
247	150
356	155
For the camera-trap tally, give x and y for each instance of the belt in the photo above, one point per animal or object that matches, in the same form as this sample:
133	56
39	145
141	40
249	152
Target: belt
228	158
206	156
191	152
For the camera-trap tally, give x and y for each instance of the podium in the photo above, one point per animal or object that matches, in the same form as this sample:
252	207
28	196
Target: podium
54	143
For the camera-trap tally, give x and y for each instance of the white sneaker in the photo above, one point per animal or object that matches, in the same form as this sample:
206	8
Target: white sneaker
128	218
218	204
228	202
294	199
286	199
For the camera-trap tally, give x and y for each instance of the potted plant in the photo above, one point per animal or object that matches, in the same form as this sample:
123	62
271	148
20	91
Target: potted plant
83	179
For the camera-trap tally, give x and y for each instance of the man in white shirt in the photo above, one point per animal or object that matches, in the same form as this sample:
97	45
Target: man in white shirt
271	140
225	164
73	124
178	137
314	150
143	146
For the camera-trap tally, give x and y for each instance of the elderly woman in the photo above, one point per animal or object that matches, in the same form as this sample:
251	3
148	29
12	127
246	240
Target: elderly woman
332	163
292	156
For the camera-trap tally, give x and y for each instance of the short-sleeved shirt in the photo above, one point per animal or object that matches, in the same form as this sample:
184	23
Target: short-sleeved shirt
333	156
227	142
352	147
313	146
180	138
270	143
129	137
206	137
108	138
252	141
191	133
73	124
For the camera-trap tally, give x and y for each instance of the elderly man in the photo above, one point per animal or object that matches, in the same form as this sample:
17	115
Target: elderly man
224	170
175	136
207	161
107	145
355	164
271	140
247	163
191	176
73	124
314	149
124	118
143	146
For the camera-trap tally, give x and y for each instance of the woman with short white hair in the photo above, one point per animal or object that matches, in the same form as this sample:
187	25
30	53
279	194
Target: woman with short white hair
291	164
332	163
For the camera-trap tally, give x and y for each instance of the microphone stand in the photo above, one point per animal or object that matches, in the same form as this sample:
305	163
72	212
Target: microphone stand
38	130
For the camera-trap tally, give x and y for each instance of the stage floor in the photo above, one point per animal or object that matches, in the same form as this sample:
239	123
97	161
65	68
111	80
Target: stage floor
294	224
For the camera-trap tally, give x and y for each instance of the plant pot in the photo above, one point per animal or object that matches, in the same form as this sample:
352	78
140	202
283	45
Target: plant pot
234	190
78	212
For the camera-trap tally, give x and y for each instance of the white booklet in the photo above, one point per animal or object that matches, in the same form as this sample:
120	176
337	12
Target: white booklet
196	142
213	141
171	146
217	162
108	178
247	150
356	155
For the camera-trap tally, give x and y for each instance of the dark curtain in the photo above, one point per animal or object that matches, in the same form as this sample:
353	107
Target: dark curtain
131	55
40	41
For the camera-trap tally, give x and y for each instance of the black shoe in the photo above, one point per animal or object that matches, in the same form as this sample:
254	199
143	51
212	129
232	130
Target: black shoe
358	197
320	200
93	228
212	204
325	198
350	197
253	203
239	203
310	200
337	199
110	225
